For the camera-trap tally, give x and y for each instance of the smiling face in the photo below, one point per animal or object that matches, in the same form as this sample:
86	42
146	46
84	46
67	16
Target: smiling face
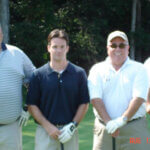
118	54
58	49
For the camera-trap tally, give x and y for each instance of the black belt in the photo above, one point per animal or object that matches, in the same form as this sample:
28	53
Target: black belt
59	125
102	122
2	125
134	119
9	123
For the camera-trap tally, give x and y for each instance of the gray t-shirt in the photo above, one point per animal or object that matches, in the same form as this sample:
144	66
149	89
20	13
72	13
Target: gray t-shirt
15	69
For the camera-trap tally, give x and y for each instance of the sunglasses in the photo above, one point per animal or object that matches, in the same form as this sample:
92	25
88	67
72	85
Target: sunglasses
121	45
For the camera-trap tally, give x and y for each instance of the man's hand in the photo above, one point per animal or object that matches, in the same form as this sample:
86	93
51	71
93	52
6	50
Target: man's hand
148	108
24	118
67	132
115	124
52	131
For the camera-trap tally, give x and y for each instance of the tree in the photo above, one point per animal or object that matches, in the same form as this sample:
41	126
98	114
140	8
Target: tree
5	19
133	26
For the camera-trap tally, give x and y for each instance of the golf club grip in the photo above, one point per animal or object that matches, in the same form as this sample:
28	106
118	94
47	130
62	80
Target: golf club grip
62	146
113	143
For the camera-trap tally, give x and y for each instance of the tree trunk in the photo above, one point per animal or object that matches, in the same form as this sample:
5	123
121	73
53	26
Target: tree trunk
5	19
133	25
139	51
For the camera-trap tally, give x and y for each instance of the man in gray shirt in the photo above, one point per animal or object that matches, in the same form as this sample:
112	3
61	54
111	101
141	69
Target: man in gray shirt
15	70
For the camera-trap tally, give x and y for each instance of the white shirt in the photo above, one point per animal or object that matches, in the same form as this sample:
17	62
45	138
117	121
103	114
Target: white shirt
15	68
117	88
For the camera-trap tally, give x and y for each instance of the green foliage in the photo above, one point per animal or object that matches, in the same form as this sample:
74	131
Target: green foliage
30	25
87	22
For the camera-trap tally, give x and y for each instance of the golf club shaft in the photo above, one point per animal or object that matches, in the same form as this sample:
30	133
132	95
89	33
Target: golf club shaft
113	143
62	146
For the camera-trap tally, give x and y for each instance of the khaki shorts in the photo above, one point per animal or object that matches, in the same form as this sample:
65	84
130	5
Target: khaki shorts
10	137
133	136
44	142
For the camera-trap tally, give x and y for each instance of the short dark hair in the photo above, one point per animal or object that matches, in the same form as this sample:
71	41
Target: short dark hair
58	33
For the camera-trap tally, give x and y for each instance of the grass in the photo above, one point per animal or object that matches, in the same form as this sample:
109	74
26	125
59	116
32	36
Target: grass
85	133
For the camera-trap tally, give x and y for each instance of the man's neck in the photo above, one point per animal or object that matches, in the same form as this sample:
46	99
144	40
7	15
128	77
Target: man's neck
58	66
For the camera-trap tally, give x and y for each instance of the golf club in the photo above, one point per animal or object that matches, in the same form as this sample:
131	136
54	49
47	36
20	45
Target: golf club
114	143
62	146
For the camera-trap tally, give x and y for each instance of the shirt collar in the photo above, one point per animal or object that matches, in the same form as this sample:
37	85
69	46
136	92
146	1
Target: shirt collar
69	68
127	61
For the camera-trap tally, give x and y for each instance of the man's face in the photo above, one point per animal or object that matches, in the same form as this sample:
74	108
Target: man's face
118	51
58	49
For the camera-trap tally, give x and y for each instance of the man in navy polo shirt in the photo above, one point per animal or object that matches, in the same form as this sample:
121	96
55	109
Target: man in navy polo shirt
58	97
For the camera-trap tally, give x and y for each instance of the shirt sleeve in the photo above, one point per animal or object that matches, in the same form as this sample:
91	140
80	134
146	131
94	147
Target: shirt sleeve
94	84
28	68
83	93
141	85
34	92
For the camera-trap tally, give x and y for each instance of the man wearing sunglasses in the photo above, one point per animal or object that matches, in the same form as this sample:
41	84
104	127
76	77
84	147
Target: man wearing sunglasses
118	88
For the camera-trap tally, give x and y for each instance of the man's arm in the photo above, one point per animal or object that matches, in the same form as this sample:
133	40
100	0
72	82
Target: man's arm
38	116
81	111
119	122
68	130
133	107
100	107
148	103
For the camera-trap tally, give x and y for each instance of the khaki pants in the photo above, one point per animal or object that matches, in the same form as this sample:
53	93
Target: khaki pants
44	142
133	136
10	137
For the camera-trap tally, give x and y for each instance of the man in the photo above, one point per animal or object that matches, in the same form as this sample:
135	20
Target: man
118	89
147	65
15	69
58	97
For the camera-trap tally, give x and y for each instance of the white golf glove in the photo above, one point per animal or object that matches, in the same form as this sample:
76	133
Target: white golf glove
113	125
67	132
24	118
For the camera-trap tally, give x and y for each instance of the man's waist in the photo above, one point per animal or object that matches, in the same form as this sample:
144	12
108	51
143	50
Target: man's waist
8	122
8	119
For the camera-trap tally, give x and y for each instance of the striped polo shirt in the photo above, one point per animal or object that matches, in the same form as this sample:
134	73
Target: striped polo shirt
15	69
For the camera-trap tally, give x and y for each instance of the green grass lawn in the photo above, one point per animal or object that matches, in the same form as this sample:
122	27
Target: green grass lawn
85	132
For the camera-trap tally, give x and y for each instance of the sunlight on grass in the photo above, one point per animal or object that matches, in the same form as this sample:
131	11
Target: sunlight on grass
85	132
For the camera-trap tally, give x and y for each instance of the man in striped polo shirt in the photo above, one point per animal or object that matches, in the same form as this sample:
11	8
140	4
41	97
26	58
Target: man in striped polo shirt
15	70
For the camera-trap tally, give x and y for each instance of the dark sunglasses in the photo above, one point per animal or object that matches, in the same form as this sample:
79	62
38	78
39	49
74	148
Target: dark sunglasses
121	45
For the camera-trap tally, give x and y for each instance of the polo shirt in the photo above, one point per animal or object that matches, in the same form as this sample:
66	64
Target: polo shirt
15	69
58	96
117	88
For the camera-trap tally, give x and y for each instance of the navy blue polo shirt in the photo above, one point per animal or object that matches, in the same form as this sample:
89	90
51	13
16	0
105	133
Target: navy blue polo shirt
58	96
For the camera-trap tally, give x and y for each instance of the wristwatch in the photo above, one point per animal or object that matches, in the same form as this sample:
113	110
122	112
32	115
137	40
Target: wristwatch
75	123
25	108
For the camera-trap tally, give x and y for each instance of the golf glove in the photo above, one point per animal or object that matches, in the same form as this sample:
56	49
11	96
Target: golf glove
67	132
113	125
24	118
